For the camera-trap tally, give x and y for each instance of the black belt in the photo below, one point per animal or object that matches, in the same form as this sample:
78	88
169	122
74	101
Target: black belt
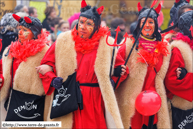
89	84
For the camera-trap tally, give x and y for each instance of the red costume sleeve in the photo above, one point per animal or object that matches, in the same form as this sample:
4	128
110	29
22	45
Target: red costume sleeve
120	60
49	59
1	74
182	88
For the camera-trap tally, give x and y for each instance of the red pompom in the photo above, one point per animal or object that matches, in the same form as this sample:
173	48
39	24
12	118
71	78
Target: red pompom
139	7
27	20
16	17
83	4
100	10
158	9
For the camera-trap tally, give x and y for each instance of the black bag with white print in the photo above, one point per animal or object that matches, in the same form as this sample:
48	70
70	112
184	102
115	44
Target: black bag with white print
67	98
25	107
182	119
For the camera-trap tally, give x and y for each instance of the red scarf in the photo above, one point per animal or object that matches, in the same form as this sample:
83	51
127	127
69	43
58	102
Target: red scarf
28	48
184	38
152	58
87	45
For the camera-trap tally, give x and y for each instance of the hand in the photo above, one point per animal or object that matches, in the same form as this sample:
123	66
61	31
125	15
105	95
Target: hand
57	82
120	70
1	82
43	69
123	69
178	72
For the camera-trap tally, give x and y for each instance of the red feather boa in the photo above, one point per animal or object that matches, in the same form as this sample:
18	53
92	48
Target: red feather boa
87	45
153	58
184	38
28	48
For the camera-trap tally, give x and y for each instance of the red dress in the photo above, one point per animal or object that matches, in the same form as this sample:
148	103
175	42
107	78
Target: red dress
182	88
92	115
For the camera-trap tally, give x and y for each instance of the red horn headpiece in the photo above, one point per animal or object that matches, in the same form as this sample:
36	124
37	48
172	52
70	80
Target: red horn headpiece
27	20
158	9
139	7
16	17
83	4
100	10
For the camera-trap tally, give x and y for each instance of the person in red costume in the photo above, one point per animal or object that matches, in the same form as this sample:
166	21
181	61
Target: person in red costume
84	50
180	85
179	7
18	72
148	65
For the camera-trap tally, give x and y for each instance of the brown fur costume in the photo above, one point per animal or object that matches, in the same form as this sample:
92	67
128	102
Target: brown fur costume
26	78
66	63
132	87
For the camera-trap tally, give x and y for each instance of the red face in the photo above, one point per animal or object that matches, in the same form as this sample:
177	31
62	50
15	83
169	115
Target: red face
85	27
25	34
148	28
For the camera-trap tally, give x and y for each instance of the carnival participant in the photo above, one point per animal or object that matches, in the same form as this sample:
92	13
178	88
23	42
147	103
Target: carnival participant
148	65
178	79
84	50
179	7
26	100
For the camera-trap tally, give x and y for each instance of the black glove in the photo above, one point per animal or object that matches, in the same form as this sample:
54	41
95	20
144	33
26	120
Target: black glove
117	71
112	83
183	73
57	82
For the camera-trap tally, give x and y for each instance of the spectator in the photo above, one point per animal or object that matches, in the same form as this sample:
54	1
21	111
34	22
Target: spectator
50	13
8	30
33	12
75	22
133	26
114	24
62	27
21	8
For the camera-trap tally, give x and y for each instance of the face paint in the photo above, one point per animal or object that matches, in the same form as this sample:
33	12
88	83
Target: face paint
148	28
85	27
25	34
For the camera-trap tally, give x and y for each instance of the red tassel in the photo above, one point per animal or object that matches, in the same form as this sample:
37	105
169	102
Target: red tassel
177	1
188	1
158	9
100	10
27	20
83	4
139	7
16	17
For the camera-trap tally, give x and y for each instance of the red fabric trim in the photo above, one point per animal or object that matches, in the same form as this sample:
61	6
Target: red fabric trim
87	45
184	38
22	51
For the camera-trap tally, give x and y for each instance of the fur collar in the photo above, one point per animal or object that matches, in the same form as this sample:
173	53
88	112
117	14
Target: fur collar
153	58
28	48
184	38
87	45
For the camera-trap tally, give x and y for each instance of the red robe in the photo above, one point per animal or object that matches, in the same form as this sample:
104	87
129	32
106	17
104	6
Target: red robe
182	88
149	84
92	115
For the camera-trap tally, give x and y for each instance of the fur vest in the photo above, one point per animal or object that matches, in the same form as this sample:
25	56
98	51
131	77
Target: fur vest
26	78
66	63
187	55
132	87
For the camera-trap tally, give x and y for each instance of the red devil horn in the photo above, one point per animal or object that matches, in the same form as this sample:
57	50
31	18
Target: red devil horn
100	10
188	1
158	9
177	1
27	20
83	4
139	7
16	17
